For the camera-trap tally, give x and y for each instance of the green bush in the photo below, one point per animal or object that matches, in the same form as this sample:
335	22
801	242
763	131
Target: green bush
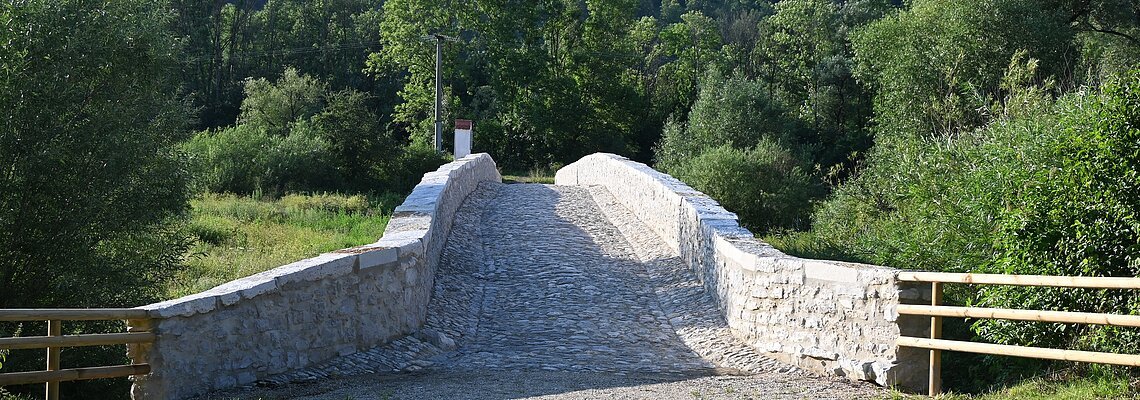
739	149
1052	189
1078	214
415	161
933	203
731	111
296	135
244	159
362	150
765	185
93	190
275	107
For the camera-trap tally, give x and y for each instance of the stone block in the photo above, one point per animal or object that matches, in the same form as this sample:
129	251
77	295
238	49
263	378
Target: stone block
326	265
183	306
825	271
409	243
408	221
379	256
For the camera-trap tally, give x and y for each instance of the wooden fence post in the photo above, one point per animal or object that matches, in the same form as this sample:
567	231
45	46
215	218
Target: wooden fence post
935	381
51	390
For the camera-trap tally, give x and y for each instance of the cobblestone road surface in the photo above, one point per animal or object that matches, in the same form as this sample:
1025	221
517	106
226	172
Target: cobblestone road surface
557	292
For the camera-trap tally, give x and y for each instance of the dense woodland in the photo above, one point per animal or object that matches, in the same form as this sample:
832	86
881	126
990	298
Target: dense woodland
952	135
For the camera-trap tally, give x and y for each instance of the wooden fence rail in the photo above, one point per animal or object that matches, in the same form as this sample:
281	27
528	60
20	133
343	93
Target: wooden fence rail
55	340
936	312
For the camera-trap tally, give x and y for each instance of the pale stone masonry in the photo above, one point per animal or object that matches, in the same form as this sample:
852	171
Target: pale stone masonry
313	310
825	316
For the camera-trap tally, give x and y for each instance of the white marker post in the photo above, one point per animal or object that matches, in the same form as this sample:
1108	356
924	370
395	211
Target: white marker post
462	138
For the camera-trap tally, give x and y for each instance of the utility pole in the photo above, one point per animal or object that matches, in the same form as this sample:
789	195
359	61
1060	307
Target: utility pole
439	87
438	93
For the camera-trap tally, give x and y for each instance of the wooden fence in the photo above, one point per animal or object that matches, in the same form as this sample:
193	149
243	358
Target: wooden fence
936	312
137	333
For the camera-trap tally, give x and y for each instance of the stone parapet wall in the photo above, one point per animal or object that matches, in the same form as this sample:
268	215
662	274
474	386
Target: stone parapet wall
303	313
826	316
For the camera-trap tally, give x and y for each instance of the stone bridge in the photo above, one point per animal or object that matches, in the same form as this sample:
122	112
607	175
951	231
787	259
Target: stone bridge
616	272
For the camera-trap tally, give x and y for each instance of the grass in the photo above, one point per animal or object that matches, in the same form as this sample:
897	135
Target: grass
536	175
1045	388
240	236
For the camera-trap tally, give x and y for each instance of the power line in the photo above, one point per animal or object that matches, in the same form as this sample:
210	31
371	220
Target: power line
285	52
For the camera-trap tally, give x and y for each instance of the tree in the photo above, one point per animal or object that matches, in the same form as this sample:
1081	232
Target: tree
276	106
230	41
91	180
738	148
693	47
936	66
365	153
544	79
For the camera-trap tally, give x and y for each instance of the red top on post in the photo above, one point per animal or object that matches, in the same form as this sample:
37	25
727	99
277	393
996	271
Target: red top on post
463	124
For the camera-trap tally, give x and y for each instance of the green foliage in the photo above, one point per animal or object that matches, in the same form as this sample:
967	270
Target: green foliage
275	107
246	159
1058	387
296	135
415	161
693	45
92	188
92	185
765	186
730	111
735	148
1048	189
937	65
365	154
807	63
541	79
932	204
227	42
1077	215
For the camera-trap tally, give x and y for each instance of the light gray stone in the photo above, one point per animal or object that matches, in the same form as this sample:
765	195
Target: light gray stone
409	243
328	265
183	306
378	256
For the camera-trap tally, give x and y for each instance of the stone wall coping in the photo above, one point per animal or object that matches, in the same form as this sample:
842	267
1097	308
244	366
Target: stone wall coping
405	235
723	226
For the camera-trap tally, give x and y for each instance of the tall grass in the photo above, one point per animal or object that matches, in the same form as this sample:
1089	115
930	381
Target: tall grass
239	236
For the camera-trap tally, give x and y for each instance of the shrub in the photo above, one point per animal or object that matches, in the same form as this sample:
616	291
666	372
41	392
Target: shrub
93	189
415	161
302	161
244	159
736	147
731	111
362	151
1078	214
765	185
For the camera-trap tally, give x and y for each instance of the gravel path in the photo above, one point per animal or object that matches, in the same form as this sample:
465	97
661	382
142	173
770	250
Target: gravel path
557	292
